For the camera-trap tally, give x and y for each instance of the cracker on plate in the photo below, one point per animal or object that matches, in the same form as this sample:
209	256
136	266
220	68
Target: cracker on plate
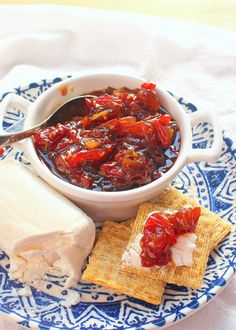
104	267
129	223
190	276
174	199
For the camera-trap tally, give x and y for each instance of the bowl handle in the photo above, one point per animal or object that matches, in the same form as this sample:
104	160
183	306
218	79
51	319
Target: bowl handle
208	154
14	102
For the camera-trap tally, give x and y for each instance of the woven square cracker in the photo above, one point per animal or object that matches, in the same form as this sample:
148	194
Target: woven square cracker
174	199
190	276
104	267
129	223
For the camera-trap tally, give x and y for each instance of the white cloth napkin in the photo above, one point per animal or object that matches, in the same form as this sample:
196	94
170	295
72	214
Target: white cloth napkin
197	62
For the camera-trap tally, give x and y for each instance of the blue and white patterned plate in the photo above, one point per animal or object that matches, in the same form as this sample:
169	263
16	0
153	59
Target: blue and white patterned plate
214	185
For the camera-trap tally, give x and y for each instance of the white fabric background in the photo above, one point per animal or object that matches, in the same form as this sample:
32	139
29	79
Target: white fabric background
195	61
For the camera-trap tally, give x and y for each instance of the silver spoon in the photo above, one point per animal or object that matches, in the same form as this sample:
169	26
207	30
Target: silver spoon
64	111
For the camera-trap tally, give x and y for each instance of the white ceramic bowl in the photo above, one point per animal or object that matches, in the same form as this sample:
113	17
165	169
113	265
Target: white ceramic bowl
116	205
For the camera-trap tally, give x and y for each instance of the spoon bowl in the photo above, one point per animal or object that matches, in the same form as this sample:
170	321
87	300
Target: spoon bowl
63	112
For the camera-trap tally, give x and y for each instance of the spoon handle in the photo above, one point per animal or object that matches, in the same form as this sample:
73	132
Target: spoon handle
9	138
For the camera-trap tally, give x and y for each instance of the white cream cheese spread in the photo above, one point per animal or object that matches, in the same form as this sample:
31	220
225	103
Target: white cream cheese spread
181	252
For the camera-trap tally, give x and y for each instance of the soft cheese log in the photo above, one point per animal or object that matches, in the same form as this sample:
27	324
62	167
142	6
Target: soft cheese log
40	230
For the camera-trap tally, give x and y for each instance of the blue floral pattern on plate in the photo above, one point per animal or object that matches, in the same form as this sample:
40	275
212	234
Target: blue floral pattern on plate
214	185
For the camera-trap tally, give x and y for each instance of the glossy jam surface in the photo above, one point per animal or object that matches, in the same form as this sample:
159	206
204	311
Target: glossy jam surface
119	140
160	233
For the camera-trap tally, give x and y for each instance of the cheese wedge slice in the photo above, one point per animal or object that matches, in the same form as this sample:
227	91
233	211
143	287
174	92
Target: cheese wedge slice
40	230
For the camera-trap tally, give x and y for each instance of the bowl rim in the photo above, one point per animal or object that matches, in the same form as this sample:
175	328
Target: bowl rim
110	196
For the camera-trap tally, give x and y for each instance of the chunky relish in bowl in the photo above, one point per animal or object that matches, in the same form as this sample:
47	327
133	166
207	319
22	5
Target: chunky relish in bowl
119	140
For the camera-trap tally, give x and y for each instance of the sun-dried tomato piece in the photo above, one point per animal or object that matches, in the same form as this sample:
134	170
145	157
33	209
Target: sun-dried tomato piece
63	143
81	179
185	220
89	103
125	125
61	164
47	138
86	181
149	99
82	157
165	120
96	133
103	102
163	134
134	160
111	124
148	85
85	122
104	116
144	130
111	169
158	237
108	101
130	167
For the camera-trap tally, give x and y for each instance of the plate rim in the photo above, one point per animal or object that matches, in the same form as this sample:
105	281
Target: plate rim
203	300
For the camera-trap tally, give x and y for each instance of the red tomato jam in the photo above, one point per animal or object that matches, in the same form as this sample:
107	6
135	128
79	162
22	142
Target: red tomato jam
119	140
161	231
